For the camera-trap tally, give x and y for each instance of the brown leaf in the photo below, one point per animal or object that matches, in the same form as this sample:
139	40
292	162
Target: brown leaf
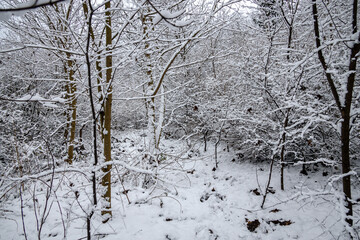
252	225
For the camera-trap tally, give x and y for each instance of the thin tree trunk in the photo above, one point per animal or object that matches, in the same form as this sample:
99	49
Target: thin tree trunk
282	153
72	107
89	15
100	91
160	122
205	139
70	87
99	74
290	24
345	155
106	179
149	88
268	183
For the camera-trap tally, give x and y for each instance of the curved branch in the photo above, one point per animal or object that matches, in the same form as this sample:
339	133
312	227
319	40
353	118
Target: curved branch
36	4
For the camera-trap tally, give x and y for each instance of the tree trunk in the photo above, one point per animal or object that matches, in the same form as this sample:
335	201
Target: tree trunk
72	108
282	154
89	15
345	156
106	180
160	123
101	98
152	139
205	139
63	41
345	109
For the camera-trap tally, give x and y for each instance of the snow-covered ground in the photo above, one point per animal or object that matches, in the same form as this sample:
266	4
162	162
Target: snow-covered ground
191	201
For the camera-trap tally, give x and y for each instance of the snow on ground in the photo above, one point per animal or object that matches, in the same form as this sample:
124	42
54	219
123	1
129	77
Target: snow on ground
202	204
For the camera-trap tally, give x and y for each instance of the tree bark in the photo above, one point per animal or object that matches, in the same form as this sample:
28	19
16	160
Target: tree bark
106	179
72	107
152	139
282	154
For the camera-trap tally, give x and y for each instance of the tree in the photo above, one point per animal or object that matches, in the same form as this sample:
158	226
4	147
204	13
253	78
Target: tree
107	105
343	99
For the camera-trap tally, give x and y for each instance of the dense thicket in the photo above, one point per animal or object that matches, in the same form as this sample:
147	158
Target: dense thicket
246	75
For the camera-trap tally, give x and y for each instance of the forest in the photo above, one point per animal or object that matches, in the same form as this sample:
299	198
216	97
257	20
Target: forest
179	119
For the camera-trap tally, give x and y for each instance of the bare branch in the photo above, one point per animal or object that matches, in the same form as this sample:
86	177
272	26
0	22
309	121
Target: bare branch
36	4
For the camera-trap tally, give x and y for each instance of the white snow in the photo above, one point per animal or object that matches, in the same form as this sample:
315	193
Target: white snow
28	97
157	19
170	15
58	99
208	205
5	16
183	23
28	3
167	14
25	97
37	97
50	105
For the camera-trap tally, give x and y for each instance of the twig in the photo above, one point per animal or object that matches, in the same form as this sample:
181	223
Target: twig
22	213
45	213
